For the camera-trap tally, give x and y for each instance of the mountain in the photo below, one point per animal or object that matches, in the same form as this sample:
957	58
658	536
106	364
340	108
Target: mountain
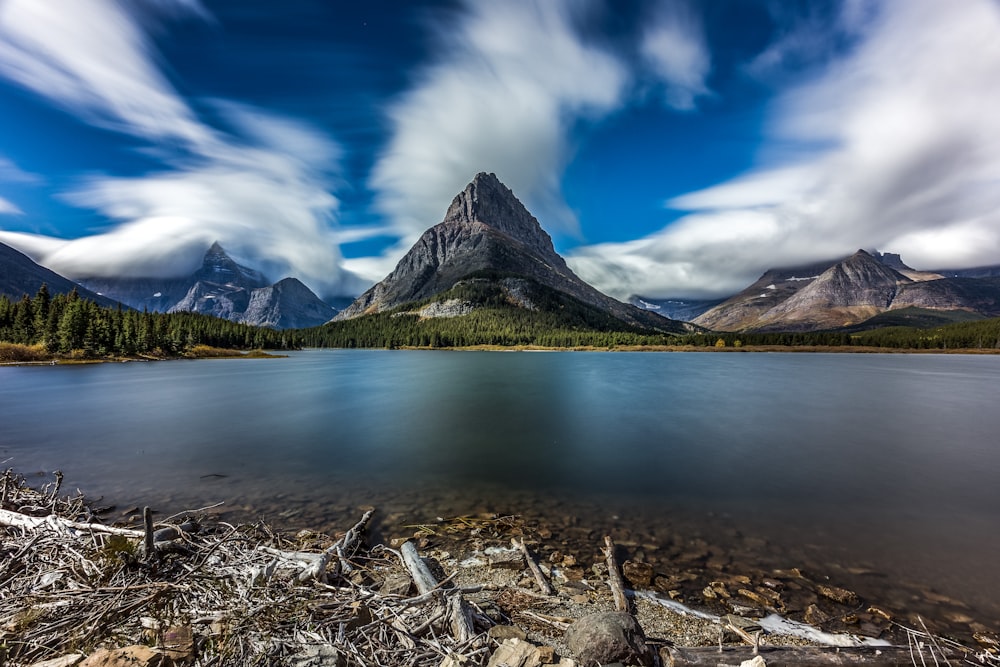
287	304
848	292
19	275
223	288
487	234
743	310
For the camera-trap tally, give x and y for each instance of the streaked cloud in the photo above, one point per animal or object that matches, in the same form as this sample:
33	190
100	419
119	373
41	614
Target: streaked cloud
93	59
261	185
11	173
898	149
673	47
510	81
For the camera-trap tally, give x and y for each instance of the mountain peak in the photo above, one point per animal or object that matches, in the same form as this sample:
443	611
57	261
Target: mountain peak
487	231
219	267
487	201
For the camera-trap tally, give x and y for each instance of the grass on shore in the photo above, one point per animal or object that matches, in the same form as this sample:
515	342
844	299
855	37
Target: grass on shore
16	353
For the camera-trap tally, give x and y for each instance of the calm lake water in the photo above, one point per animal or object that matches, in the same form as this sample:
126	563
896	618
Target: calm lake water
884	462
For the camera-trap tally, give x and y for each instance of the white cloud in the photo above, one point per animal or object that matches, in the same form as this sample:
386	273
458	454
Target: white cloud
511	81
904	152
11	173
93	59
673	46
261	202
262	191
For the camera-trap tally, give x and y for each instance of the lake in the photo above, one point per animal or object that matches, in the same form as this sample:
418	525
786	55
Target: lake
881	470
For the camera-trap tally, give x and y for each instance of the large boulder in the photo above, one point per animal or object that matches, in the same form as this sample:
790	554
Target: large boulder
606	637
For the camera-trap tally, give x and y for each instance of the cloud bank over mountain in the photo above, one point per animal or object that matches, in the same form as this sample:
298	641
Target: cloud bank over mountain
872	127
891	146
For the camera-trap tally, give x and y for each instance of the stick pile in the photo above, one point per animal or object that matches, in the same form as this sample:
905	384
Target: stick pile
233	595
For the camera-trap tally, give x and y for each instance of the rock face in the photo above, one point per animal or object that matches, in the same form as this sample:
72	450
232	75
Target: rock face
20	275
287	304
844	293
486	230
743	310
848	292
223	288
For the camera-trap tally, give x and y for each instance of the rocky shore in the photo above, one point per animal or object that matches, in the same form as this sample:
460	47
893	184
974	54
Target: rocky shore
475	590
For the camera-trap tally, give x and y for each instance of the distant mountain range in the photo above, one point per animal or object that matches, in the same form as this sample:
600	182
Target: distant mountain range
489	237
852	291
489	240
222	288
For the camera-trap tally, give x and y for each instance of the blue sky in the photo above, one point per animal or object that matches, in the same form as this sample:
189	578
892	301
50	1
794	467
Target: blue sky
672	149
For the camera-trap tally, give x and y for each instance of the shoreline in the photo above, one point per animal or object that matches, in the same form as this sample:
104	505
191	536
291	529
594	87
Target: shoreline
204	353
816	349
469	552
218	353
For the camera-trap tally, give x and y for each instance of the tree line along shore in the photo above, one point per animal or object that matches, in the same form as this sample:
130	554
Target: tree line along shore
67	327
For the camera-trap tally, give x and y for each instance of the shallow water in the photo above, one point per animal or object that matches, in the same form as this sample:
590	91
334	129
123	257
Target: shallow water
883	462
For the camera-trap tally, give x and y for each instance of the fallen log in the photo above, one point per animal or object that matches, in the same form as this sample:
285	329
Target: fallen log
800	656
459	613
59	525
419	572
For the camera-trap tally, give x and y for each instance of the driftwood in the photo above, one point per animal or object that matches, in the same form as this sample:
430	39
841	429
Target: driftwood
794	656
614	576
748	631
459	614
543	584
62	526
147	522
341	548
419	572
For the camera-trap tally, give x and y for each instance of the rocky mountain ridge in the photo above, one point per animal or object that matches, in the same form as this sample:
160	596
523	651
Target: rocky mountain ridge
829	295
223	288
487	230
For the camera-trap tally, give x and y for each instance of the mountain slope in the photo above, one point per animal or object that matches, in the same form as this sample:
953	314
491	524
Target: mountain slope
20	275
743	310
486	229
287	304
850	292
223	288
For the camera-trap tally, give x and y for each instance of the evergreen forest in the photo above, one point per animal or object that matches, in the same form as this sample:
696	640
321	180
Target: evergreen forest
69	326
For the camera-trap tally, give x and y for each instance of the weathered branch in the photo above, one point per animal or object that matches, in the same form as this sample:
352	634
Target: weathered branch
418	569
459	614
614	576
543	584
147	522
317	569
63	526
